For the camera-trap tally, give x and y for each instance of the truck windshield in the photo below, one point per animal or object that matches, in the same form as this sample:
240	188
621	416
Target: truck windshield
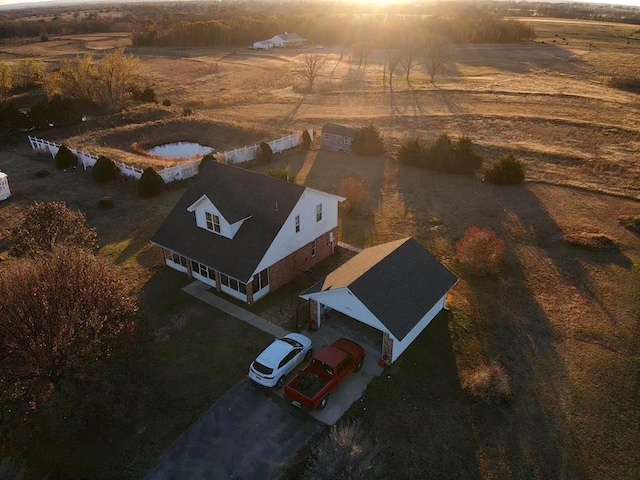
258	367
322	366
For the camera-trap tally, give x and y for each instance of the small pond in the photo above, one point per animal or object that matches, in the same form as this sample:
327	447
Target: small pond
180	150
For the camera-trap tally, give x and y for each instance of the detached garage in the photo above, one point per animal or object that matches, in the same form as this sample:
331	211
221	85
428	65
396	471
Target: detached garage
396	288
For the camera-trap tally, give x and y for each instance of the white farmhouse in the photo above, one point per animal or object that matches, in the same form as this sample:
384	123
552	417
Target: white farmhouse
262	45
287	40
247	234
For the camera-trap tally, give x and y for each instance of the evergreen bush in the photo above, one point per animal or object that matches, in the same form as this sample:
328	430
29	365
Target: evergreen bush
150	183
104	170
265	154
306	140
411	152
368	141
65	158
507	171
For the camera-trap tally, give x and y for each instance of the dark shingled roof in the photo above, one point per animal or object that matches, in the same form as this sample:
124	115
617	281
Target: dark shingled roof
399	282
336	129
237	193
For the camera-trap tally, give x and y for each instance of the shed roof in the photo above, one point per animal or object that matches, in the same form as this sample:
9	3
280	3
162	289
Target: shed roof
399	282
337	129
291	37
237	193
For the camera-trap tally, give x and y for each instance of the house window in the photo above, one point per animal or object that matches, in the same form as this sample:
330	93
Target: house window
224	279
213	222
314	248
261	280
347	141
327	136
297	223
318	212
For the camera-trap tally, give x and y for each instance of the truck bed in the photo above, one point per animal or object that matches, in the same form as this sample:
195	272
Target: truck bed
309	385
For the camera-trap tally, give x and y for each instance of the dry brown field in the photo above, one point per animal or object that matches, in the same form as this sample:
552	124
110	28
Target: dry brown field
563	321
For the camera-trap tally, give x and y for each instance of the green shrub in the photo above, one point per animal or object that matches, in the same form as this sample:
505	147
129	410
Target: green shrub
507	171
265	154
440	154
150	183
166	102
65	158
41	173
282	174
146	95
411	152
464	160
105	202
368	141
306	140
104	170
56	112
187	112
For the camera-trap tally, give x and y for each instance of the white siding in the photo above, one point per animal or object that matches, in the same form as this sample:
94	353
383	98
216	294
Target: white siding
277	41
343	301
288	241
205	205
401	346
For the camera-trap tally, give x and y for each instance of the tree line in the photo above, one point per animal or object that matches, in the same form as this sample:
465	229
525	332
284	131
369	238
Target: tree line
471	25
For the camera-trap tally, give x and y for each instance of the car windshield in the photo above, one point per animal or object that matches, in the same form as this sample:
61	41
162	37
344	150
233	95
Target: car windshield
292	342
258	367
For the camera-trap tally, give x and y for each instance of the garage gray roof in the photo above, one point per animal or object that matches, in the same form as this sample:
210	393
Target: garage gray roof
337	129
399	282
237	193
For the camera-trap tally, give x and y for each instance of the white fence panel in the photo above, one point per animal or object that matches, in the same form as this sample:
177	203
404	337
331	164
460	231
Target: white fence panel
180	172
240	155
129	170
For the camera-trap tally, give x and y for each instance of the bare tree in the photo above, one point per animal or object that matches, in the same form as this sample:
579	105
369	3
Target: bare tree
311	66
408	60
437	55
392	59
60	314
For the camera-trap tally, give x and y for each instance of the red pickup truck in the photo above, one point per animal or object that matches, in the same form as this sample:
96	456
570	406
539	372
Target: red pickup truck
328	369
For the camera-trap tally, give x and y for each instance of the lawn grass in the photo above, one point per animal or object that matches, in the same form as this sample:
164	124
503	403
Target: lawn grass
186	356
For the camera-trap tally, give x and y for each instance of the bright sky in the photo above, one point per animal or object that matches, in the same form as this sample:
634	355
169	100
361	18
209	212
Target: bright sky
635	3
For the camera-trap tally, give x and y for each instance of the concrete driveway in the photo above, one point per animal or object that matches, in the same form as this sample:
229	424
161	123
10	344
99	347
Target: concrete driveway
248	434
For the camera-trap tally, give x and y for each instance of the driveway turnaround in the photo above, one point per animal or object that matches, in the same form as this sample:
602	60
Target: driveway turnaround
248	434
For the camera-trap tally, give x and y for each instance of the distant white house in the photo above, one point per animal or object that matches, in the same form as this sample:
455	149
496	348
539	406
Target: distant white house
4	186
263	45
281	40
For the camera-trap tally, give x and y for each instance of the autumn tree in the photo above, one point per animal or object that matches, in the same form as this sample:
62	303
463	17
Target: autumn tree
30	71
6	81
47	225
106	82
480	250
311	66
60	314
436	56
408	59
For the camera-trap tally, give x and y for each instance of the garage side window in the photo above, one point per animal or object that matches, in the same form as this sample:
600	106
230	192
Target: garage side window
297	222
318	212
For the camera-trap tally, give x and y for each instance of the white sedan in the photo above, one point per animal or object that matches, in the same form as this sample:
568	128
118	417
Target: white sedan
280	358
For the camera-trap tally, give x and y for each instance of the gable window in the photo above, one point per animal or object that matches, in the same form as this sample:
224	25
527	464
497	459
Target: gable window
213	222
297	219
347	141
318	212
327	136
314	248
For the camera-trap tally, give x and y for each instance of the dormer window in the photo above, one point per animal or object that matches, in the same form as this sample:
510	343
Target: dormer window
297	219
213	222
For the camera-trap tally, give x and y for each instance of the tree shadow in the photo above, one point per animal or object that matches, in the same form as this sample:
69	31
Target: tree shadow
531	437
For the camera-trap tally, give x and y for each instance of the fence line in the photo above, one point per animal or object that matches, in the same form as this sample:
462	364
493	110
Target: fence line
178	172
246	154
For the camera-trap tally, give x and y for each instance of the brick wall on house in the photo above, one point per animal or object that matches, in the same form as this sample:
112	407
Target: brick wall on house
295	264
313	314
